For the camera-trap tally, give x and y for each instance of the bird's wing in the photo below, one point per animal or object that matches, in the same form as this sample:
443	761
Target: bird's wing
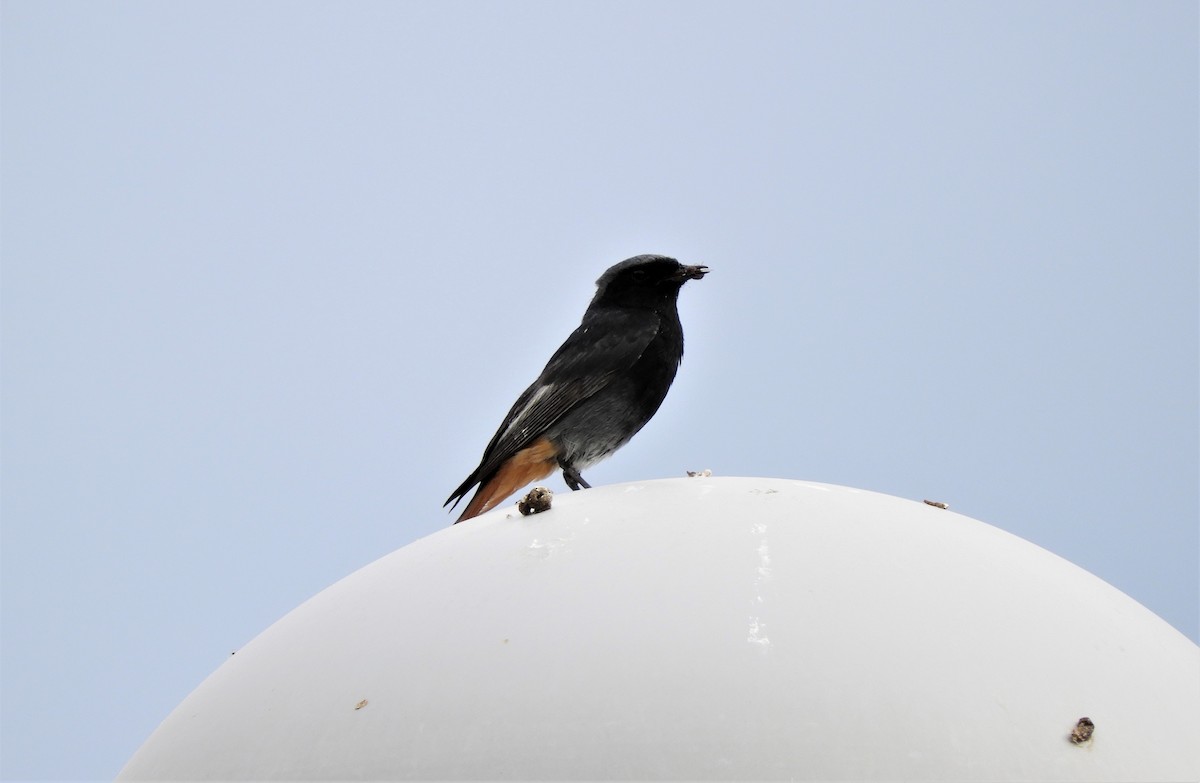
605	344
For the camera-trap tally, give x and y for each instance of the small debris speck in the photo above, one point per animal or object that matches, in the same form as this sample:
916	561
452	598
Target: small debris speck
937	504
536	501
1082	731
361	704
699	473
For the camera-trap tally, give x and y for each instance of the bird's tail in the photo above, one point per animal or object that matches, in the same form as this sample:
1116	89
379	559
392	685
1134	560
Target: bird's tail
532	463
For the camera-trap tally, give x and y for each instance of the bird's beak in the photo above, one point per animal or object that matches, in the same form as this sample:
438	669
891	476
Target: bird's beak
691	273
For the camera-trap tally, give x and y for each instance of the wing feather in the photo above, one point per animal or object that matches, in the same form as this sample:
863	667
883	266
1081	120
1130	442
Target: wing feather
607	343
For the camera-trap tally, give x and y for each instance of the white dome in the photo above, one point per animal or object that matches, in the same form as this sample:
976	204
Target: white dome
702	628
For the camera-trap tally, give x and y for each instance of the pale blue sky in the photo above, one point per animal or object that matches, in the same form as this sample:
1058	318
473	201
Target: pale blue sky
274	272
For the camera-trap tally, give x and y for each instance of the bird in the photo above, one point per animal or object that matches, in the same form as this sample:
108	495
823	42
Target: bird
597	391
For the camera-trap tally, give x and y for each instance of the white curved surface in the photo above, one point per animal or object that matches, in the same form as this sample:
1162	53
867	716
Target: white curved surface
702	628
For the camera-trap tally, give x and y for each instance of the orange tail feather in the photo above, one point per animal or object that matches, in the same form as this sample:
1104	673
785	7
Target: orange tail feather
532	463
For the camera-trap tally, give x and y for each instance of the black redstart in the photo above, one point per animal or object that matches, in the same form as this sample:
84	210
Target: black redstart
597	390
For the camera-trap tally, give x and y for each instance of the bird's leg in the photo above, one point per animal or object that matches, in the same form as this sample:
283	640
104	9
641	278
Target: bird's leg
572	477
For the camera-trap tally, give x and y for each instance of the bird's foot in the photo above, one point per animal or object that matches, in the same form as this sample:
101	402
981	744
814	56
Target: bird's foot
573	479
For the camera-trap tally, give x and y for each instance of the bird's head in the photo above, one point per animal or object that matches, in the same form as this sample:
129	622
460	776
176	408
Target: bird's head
645	281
